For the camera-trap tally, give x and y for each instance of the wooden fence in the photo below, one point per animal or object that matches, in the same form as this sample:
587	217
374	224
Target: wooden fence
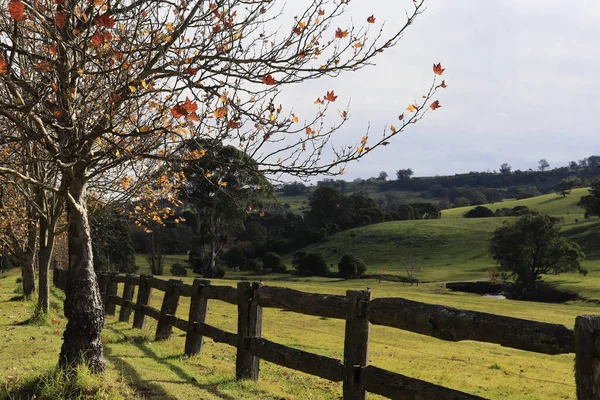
359	311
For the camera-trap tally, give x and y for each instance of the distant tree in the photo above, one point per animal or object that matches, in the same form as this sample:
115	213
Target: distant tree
532	246
272	262
310	264
294	189
528	192
591	202
405	212
505	168
382	176
564	187
426	210
351	267
178	270
479	212
543	164
573	165
404	174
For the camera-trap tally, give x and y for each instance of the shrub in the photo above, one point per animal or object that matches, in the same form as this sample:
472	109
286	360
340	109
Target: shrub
178	270
251	265
272	262
479	212
310	264
219	272
235	257
351	267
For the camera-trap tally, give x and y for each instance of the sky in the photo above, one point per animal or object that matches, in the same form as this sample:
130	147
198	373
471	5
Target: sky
522	85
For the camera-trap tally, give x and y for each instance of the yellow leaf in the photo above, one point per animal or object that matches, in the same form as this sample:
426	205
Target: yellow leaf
393	128
272	117
412	108
132	88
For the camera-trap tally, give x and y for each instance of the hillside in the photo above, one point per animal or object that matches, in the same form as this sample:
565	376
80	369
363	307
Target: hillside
455	248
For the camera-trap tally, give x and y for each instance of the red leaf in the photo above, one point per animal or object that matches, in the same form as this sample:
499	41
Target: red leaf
435	105
193	117
3	65
178	111
437	69
60	19
371	19
191	71
268	80
340	33
330	96
443	85
97	39
105	20
16	10
233	125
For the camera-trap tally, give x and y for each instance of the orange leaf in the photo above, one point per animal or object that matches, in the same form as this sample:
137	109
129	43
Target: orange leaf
268	80
385	143
3	65
443	85
233	125
53	50
319	101
309	130
60	19
192	117
190	70
16	10
97	39
105	20
220	112
340	33
178	111
190	106
435	105
321	12
42	66
262	213
393	128
437	69
371	19
412	108
330	96
341	171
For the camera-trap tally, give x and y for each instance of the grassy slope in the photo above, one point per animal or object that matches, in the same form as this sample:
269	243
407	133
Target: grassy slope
159	370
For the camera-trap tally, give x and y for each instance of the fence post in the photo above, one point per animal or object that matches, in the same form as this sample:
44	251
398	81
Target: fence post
356	343
101	276
128	289
249	325
198	310
143	299
169	308
587	357
111	290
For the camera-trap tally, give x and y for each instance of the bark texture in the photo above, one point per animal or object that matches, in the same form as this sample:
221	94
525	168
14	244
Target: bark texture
28	266
83	306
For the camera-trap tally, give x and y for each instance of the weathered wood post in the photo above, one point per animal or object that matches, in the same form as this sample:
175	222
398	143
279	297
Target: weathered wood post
143	299
168	309
249	325
356	343
102	280
111	290
198	310
127	298
587	357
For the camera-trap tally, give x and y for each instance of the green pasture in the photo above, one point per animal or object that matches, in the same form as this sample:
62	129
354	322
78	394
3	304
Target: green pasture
159	370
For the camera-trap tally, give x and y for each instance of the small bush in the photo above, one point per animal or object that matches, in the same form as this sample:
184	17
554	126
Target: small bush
251	265
310	264
351	267
219	272
479	212
235	257
272	262
178	270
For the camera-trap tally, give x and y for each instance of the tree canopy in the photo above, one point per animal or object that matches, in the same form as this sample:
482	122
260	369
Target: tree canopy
532	246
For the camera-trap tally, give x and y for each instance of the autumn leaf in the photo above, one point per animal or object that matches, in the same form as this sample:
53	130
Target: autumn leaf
3	65
190	106
412	108
443	85
339	33
60	19
330	96
105	20
437	69
321	12
17	10
319	101
401	116
191	71
309	130
385	143
97	39
359	149
52	50
342	170
42	66
393	128
233	125
268	80
220	112
435	105
294	118
262	214
192	117
178	111
371	19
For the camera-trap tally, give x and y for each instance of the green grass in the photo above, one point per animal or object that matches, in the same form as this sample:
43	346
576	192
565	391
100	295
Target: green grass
158	370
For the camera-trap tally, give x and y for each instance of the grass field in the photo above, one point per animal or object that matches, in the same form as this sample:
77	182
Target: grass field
159	370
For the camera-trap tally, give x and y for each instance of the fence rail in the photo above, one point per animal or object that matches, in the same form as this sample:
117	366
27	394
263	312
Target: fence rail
359	312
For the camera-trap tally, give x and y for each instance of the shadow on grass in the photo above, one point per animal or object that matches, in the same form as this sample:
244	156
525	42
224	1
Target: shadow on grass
151	387
552	200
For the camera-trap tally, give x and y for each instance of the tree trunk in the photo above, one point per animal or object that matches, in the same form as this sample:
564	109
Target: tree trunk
44	257
28	266
83	306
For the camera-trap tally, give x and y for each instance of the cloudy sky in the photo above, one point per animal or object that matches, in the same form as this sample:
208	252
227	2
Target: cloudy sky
523	85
